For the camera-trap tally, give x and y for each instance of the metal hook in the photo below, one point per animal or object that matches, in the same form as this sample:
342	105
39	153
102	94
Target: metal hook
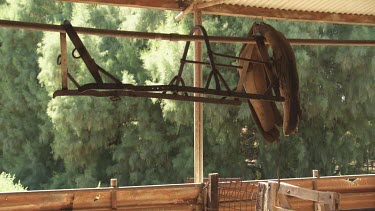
73	54
58	61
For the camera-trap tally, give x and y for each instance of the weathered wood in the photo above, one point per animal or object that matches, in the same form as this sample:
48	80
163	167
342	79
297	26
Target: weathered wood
342	185
236	179
243	11
154	4
114	185
213	190
185	12
174	37
303	193
198	107
159	195
183	196
178	197
283	201
315	175
282	209
261	196
64	62
268	201
272	194
357	200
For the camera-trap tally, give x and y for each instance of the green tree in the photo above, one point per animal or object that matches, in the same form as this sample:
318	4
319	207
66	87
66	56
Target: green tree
7	183
79	141
25	128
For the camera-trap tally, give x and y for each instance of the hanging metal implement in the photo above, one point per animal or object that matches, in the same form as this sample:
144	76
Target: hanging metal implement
175	90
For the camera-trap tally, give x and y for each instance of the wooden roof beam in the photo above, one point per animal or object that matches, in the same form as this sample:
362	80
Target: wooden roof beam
146	4
242	11
198	6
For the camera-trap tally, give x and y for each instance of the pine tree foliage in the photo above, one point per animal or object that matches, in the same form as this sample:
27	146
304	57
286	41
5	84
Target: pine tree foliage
78	141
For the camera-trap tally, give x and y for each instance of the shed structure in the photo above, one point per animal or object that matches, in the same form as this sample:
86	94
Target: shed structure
361	12
357	191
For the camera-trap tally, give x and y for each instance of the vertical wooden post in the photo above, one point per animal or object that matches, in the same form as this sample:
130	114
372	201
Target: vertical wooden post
198	108
315	174
64	62
271	196
114	185
261	195
266	196
213	191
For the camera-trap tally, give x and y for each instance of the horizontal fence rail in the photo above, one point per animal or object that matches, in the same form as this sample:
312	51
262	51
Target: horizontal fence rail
161	197
356	192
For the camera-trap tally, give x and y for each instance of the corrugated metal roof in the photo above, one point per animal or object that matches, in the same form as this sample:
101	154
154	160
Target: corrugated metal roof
355	7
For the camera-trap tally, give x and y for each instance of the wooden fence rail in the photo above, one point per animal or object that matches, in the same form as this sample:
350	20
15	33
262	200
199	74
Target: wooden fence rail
356	192
163	197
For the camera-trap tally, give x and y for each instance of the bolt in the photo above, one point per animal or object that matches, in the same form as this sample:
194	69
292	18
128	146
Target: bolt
288	191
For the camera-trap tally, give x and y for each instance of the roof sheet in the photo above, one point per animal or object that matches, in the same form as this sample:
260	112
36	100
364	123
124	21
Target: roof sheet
355	7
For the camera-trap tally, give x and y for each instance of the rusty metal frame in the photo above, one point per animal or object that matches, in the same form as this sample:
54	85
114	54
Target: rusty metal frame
175	90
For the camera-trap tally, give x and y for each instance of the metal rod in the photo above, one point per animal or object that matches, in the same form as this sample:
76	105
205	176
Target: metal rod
64	62
146	95
217	64
174	88
241	58
174	37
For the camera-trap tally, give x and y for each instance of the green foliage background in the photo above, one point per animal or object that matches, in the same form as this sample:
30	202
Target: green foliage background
71	142
7	183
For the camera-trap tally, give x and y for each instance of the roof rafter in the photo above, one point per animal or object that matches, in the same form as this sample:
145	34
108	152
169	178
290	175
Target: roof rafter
242	11
150	4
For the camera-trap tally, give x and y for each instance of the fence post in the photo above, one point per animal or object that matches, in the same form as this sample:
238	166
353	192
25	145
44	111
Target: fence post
317	206
213	191
114	186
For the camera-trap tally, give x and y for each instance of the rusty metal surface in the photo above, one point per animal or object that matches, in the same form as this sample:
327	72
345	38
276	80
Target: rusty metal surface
175	90
83	53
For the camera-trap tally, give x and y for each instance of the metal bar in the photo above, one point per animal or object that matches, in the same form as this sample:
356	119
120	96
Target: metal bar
108	75
217	64
64	63
73	81
241	58
145	95
174	37
174	88
198	106
84	54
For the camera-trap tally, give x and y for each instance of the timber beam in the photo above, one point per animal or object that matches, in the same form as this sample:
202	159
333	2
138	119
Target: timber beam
241	11
174	37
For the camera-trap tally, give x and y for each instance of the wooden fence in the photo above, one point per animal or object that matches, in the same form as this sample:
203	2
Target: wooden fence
355	192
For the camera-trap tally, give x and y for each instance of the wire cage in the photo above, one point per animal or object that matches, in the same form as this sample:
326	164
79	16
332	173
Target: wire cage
235	194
